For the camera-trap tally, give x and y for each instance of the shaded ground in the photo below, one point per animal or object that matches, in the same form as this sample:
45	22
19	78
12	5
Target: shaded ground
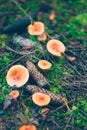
67	77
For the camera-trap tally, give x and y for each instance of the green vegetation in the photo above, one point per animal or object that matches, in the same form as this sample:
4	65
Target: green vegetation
70	25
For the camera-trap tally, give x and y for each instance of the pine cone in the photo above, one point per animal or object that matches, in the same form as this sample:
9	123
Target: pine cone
54	98
22	41
38	77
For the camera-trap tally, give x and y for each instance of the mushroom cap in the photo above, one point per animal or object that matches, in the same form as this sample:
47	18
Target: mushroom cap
55	47
27	127
42	37
36	29
14	93
17	75
44	64
41	99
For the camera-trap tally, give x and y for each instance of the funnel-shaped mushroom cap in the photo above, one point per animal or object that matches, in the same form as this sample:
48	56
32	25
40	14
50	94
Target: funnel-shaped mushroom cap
55	47
36	29
14	93
27	127
17	75
41	99
42	37
44	64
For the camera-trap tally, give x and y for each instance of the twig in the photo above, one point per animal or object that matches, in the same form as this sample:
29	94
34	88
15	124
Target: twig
20	53
14	1
10	49
68	122
26	14
12	63
48	35
59	108
71	65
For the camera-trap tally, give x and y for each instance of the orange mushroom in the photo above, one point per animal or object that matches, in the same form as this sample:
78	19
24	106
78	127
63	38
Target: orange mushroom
17	75
28	127
41	99
37	28
42	37
52	15
14	93
55	47
44	64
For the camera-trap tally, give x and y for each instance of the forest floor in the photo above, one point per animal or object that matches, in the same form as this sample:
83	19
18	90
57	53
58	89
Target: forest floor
68	74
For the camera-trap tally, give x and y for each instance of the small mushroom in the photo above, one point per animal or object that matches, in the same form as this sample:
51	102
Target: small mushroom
17	75
55	47
44	65
52	15
37	28
42	37
14	94
41	99
28	127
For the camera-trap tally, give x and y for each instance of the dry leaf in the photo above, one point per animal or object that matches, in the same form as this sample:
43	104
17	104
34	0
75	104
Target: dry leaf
27	47
74	43
72	58
45	111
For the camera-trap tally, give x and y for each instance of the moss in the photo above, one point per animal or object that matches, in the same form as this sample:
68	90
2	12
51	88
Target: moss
80	20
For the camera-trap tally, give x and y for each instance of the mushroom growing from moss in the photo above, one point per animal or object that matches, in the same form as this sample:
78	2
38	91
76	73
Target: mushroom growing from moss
41	99
28	127
55	47
42	37
17	75
14	94
37	28
44	64
52	15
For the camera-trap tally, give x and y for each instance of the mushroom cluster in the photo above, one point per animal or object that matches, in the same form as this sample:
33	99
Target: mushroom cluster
55	47
37	29
18	75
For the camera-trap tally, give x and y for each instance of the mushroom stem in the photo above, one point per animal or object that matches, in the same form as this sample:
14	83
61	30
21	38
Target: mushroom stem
44	71
55	99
